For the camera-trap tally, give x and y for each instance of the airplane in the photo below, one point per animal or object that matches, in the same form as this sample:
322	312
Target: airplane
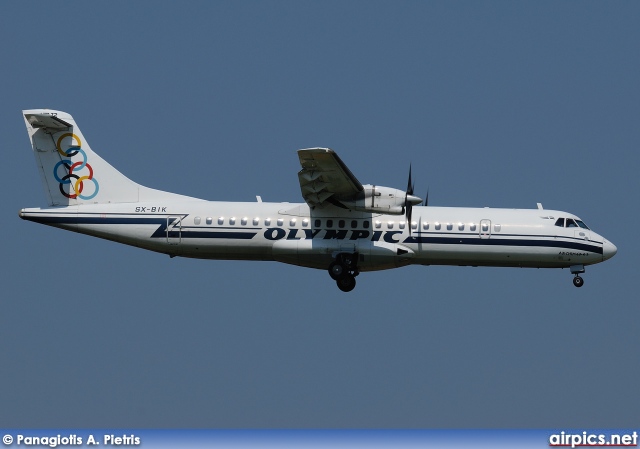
343	226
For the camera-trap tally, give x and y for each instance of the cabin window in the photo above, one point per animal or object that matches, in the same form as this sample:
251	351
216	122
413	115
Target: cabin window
460	226
365	224
256	221
414	225
449	226
329	223
292	222
341	224
209	220
485	227
560	222
401	224
196	220
390	224
244	221
425	225
267	221
220	220
354	224
497	227
437	226
472	227
305	222
317	223
232	220
378	224
280	221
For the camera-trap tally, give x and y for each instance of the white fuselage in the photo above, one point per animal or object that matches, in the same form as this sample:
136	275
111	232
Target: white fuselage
295	234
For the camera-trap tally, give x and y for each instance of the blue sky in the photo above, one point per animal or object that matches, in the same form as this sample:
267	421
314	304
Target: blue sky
501	104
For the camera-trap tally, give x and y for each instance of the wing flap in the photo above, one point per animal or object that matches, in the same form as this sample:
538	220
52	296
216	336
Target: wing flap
324	176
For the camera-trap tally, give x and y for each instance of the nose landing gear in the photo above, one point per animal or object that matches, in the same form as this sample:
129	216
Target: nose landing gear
577	280
344	270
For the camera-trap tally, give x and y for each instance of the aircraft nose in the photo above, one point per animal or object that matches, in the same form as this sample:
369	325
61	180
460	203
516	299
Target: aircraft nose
608	250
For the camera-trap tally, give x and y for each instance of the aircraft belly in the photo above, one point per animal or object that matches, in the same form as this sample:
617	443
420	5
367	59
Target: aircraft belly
223	249
320	253
306	253
128	234
503	256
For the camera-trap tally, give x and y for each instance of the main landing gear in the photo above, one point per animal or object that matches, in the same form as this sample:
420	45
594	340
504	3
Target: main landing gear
344	270
577	280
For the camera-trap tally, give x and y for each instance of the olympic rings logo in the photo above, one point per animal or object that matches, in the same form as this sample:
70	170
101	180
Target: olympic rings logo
73	170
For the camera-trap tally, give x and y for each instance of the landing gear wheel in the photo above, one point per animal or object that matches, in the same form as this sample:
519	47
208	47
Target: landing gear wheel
578	281
346	283
337	271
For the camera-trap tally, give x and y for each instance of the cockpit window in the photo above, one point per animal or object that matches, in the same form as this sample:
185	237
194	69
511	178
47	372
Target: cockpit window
571	223
581	224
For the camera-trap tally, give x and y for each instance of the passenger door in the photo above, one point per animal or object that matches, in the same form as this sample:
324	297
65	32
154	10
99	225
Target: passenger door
174	229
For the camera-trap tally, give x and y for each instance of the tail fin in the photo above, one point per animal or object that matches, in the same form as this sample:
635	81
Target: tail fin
70	171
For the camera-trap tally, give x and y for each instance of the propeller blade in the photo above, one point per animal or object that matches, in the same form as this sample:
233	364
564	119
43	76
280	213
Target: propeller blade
408	204
426	199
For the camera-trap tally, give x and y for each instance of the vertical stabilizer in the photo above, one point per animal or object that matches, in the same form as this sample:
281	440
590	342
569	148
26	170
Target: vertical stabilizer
71	172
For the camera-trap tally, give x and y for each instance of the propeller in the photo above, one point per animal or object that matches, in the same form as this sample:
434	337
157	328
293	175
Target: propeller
410	200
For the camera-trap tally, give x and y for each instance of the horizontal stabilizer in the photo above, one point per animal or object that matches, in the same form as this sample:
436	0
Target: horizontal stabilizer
47	121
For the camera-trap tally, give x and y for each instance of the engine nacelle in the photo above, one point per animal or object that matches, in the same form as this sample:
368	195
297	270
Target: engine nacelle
382	200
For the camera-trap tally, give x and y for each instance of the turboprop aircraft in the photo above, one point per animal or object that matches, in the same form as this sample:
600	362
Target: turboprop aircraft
343	227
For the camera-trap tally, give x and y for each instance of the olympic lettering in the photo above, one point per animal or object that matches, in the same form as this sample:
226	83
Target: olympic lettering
74	170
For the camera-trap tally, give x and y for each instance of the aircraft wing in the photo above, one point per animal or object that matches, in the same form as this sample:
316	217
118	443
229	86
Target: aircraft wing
325	178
